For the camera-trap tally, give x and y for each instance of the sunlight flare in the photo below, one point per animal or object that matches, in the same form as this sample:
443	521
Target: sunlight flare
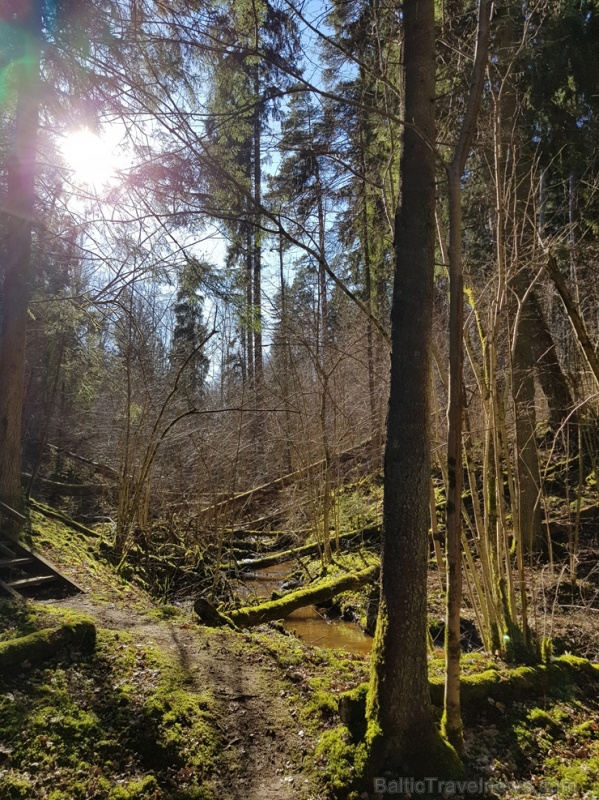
94	160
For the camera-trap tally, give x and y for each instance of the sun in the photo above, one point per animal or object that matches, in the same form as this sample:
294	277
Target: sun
93	159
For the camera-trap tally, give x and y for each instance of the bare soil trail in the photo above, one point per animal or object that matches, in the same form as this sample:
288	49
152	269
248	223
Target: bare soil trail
264	745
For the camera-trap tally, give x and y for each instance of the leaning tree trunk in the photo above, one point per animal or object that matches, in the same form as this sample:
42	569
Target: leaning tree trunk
551	377
19	208
402	733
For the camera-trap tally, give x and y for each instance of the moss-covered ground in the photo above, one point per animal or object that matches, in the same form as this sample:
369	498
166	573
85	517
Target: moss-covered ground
118	724
164	709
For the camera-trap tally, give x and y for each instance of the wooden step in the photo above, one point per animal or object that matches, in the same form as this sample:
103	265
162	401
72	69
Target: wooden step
36	580
9	590
6	551
35	571
15	562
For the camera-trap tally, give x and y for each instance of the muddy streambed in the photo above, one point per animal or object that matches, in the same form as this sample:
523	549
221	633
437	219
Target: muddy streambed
307	623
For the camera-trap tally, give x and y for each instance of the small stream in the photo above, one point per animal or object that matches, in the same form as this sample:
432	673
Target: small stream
307	623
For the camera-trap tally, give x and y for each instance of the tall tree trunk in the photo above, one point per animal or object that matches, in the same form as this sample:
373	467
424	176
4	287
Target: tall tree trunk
19	209
518	239
375	426
322	355
257	240
248	327
403	736
452	719
285	377
528	490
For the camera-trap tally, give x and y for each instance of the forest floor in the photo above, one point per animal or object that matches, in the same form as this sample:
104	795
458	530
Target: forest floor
166	709
261	744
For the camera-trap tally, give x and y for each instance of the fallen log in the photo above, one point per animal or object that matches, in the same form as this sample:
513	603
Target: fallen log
67	489
253	564
42	645
307	596
494	687
211	616
248	498
51	513
101	469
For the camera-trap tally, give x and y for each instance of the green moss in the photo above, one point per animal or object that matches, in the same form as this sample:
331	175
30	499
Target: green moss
578	778
425	753
334	755
282	607
546	650
166	612
79	790
177	730
358	505
15	787
323	704
85	560
16	619
352	710
140	789
586	730
62	737
121	713
539	718
205	792
42	645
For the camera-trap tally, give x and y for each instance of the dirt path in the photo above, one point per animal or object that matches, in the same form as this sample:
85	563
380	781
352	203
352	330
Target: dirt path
265	745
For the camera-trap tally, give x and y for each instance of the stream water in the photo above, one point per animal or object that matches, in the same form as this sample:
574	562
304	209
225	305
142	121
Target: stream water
307	623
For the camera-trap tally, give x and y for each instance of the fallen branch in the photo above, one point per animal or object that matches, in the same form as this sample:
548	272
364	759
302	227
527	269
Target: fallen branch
308	596
101	469
211	616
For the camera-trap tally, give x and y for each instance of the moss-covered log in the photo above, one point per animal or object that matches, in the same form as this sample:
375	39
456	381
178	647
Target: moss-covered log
253	564
490	687
42	645
308	596
211	616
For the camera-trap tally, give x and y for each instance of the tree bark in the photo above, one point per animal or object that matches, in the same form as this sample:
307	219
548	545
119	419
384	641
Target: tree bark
19	210
528	488
517	238
402	733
